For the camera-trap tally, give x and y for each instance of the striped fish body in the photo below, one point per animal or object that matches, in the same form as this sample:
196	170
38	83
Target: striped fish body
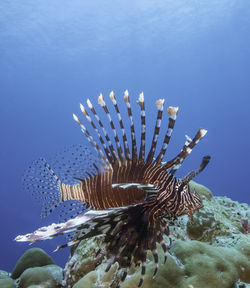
133	184
112	188
125	194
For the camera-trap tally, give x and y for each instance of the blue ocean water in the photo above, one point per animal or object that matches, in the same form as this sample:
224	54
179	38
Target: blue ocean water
56	54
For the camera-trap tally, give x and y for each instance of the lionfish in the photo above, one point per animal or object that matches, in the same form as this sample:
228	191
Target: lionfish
125	195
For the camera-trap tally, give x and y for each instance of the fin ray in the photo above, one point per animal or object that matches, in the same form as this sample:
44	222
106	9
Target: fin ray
132	127
160	105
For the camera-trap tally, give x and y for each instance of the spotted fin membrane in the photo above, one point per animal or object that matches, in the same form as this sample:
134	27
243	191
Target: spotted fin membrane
121	192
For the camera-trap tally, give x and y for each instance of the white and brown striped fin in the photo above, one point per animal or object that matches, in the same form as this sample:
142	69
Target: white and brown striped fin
111	261
111	147
124	274
53	230
76	163
140	102
191	175
160	105
127	234
87	134
156	260
117	141
165	250
186	150
143	270
132	127
98	222
124	136
172	111
107	152
70	210
130	196
90	138
173	170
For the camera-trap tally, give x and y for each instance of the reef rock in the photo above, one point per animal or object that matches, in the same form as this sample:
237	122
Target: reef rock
212	251
5	280
203	191
3	274
34	257
49	276
7	283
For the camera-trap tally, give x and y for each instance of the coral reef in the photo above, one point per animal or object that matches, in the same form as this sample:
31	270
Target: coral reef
34	257
191	264
34	269
5	280
7	283
49	276
212	251
3	274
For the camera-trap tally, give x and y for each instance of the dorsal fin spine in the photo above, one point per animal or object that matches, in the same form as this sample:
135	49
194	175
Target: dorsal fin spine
85	113
186	150
91	140
160	105
192	174
177	166
132	127
172	111
111	148
140	102
117	141
124	136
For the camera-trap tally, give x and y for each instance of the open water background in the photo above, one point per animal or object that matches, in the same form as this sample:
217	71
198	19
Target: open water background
56	54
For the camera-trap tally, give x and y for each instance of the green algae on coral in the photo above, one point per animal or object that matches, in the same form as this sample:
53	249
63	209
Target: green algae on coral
203	191
34	257
49	276
219	220
191	264
7	283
